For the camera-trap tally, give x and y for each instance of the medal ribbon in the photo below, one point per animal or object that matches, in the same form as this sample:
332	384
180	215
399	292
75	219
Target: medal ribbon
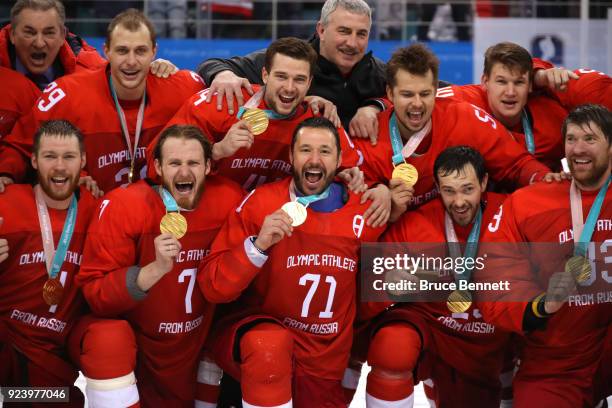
169	201
529	140
399	150
471	247
584	231
307	200
254	101
53	258
124	128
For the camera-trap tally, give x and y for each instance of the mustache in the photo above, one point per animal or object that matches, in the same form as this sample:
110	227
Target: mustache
315	167
348	49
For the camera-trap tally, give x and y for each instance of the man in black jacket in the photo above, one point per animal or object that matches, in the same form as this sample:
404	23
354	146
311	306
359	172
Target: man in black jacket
346	76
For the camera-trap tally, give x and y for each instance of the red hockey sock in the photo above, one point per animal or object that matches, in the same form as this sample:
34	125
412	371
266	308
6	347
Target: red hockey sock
393	355
208	386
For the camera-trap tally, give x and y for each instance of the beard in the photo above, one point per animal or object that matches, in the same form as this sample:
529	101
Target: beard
51	191
190	202
298	179
593	177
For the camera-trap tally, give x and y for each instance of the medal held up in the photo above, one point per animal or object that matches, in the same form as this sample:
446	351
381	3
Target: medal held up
579	266
296	209
173	222
402	170
256	119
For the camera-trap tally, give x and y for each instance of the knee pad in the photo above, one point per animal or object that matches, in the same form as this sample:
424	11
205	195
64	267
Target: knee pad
270	345
395	348
108	349
266	351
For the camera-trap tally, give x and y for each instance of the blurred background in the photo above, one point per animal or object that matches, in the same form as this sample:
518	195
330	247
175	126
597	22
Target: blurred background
568	33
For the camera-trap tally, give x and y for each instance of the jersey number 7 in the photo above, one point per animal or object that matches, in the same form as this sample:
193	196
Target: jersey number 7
315	279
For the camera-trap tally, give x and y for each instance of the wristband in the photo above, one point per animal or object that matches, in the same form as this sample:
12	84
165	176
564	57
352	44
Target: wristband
537	306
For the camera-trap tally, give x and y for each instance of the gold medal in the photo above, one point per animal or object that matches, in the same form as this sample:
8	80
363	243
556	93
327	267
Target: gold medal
459	301
406	172
579	267
257	120
173	223
53	291
296	211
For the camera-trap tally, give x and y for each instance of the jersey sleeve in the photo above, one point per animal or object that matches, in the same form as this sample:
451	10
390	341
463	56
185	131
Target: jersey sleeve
20	95
351	156
462	93
507	258
505	159
110	250
16	148
228	270
591	87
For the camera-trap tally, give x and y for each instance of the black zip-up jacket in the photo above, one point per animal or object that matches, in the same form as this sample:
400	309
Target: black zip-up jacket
365	82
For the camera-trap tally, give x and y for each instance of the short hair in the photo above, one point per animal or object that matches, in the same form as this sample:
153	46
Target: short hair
510	55
352	6
40	5
294	48
185	132
131	19
583	115
317	122
416	59
59	128
454	159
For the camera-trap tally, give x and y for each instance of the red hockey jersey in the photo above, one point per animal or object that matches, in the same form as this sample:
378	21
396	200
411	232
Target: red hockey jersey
172	321
546	116
18	97
464	340
35	328
268	158
308	281
541	214
591	87
85	100
452	124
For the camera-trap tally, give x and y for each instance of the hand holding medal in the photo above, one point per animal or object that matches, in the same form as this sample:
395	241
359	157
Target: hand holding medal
407	173
257	120
296	211
560	286
274	228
